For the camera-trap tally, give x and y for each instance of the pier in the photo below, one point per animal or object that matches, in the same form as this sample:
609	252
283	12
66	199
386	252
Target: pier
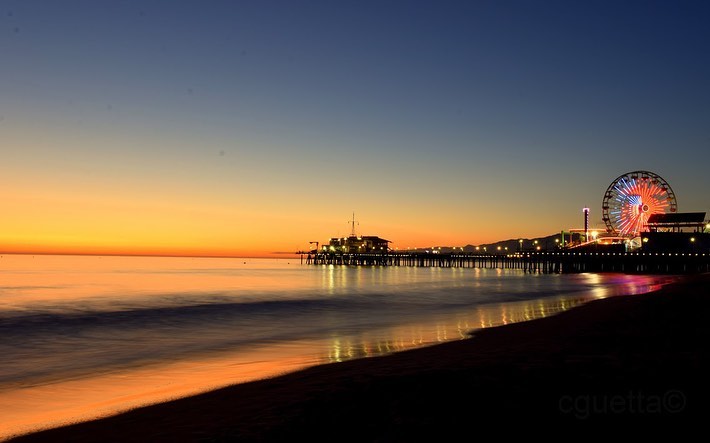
534	262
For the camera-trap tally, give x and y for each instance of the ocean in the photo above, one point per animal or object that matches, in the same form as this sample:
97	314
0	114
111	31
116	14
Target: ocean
87	336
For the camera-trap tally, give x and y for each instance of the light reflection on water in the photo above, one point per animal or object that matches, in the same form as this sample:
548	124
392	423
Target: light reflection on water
454	327
269	317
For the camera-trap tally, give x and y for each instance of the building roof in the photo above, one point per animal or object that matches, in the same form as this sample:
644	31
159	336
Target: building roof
363	237
374	237
677	218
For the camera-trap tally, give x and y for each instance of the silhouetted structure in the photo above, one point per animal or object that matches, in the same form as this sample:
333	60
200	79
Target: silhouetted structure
678	222
542	262
355	244
682	232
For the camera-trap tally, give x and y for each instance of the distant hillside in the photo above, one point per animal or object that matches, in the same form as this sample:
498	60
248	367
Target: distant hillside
548	243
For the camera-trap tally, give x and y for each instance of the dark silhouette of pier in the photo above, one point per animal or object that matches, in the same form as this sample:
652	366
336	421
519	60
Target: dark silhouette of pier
534	262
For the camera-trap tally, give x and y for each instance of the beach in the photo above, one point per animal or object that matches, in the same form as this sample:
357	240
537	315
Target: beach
630	361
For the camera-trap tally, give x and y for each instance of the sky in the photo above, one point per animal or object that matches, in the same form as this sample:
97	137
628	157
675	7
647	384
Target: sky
245	128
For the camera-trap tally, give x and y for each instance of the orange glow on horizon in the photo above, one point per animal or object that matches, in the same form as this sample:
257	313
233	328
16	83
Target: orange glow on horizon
71	218
144	252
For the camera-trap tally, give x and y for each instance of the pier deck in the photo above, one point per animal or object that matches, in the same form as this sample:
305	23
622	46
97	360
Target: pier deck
545	262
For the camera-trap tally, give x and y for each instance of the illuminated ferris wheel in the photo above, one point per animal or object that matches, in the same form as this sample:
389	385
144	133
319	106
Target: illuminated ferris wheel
632	198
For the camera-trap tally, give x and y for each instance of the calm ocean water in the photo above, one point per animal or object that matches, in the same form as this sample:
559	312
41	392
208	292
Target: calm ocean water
82	337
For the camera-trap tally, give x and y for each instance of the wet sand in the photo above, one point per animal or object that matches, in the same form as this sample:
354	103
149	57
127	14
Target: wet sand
638	362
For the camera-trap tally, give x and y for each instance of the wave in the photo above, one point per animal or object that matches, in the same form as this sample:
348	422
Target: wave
78	316
40	347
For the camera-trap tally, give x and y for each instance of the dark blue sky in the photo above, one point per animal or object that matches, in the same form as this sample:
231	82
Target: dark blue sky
502	107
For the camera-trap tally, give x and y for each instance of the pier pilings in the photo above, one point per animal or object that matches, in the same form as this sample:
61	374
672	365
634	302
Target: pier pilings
534	262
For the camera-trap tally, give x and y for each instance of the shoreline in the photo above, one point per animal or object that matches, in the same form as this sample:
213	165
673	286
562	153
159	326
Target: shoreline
634	358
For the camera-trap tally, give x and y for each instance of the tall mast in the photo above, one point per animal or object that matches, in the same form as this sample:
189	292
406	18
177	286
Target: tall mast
352	233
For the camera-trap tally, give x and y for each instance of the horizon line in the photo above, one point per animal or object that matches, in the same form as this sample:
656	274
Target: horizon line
123	254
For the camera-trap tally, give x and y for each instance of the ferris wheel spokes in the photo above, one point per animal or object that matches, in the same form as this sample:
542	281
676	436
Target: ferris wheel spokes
632	198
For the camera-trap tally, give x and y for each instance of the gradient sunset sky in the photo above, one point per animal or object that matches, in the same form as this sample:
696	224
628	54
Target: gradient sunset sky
250	127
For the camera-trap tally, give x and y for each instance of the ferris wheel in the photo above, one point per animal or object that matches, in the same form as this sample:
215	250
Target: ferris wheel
632	198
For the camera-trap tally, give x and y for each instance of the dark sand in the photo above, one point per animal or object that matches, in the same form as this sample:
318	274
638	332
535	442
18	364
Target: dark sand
634	362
